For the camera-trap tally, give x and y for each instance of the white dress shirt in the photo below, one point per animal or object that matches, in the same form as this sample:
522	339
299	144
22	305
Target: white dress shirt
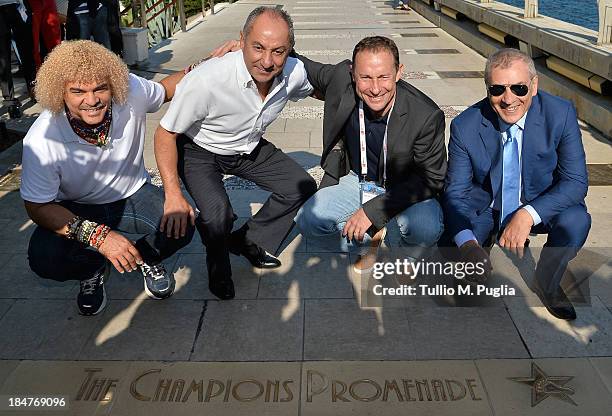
218	105
464	236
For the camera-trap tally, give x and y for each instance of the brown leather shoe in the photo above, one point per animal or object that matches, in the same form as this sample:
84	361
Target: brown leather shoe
365	262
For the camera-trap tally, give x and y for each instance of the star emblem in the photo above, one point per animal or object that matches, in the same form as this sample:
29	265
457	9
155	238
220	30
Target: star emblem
543	385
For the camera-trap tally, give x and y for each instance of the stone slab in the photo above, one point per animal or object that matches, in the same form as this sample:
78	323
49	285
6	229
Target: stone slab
144	330
44	329
294	243
460	333
192	278
601	230
11	205
243	330
289	140
603	366
6	369
5	305
246	203
509	397
20	282
302	125
83	383
546	336
341	330
304	276
225	389
389	388
16	234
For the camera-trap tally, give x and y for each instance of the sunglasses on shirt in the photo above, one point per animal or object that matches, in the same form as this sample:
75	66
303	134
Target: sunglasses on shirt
520	90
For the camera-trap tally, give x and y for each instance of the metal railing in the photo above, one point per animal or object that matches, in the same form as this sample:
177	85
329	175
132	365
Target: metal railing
604	35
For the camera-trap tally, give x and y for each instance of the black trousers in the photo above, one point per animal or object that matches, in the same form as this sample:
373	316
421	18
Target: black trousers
11	21
271	169
54	257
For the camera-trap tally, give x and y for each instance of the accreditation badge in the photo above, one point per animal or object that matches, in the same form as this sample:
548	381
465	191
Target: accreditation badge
369	190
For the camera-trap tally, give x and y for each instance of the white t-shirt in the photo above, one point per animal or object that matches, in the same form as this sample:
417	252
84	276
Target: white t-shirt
60	166
218	105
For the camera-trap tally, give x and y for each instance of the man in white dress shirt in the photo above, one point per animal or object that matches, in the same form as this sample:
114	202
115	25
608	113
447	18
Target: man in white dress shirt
215	126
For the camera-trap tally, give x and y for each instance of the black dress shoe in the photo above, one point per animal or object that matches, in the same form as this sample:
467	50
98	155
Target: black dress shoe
557	303
15	111
220	281
221	287
256	255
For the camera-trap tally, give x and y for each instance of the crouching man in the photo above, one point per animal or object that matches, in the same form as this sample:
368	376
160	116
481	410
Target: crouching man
84	181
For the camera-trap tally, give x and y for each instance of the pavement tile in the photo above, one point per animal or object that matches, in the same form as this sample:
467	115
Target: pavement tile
392	388
15	235
19	281
601	230
592	273
144	330
303	125
218	389
294	243
603	366
277	126
5	305
307	157
463	333
289	140
546	336
192	278
341	330
509	397
90	387
304	276
244	330
44	329
246	203
6	368
11	206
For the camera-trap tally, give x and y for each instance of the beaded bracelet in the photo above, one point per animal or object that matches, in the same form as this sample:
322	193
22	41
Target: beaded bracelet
87	232
73	226
99	235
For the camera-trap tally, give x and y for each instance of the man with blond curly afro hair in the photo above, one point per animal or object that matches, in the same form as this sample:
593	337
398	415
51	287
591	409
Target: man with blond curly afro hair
84	181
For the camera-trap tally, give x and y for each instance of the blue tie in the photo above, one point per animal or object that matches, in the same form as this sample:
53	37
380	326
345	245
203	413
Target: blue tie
511	177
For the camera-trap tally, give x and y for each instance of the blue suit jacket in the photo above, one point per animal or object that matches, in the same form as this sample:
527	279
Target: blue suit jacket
554	175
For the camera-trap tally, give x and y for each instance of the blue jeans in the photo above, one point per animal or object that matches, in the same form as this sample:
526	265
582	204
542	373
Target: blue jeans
97	26
326	212
52	256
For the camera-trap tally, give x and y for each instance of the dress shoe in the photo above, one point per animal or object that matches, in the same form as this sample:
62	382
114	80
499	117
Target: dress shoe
365	262
256	255
472	252
219	269
14	110
557	303
222	287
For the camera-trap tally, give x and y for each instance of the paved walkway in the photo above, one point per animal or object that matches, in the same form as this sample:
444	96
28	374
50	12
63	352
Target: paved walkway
303	325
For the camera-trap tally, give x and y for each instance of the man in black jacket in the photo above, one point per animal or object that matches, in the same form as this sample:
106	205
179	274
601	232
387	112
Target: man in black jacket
383	154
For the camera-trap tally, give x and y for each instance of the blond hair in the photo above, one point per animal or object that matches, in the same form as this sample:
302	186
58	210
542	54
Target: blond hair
81	61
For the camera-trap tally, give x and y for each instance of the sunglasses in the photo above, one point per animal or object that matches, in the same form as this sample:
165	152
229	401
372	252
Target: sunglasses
520	90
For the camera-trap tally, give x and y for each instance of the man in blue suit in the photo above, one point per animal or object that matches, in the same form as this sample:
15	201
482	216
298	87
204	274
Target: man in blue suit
517	165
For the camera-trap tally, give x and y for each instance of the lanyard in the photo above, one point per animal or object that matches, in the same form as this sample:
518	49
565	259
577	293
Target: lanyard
362	143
